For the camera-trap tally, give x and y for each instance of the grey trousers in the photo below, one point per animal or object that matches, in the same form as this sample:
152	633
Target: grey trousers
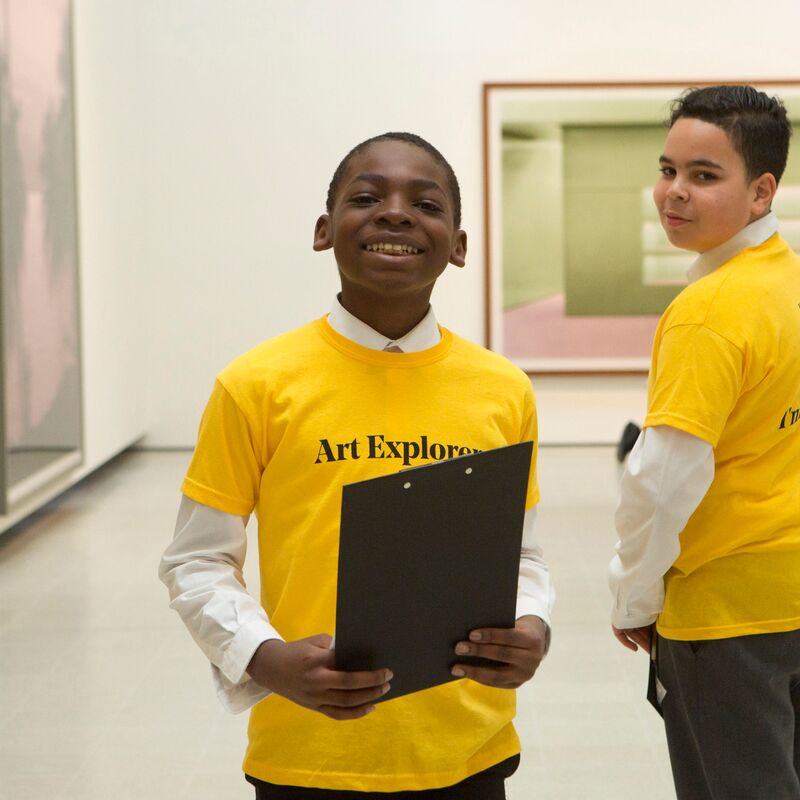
732	715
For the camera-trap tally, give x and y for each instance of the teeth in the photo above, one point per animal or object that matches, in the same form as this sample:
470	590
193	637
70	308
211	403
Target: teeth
385	247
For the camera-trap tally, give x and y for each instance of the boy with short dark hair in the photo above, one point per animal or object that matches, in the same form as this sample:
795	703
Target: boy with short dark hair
374	387
709	516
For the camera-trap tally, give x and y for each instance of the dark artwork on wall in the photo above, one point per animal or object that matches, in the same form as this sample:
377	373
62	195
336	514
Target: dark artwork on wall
41	419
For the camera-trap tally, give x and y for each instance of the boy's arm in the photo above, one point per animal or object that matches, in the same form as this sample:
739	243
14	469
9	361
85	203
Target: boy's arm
668	473
202	568
535	593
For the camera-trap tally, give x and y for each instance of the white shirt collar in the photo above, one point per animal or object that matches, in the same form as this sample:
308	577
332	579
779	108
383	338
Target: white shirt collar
422	336
751	235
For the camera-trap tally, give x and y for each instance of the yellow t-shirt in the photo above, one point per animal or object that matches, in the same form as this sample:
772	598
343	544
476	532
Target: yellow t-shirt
287	425
726	368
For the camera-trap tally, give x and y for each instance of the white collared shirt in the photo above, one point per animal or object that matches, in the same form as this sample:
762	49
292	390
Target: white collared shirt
667	475
424	335
202	567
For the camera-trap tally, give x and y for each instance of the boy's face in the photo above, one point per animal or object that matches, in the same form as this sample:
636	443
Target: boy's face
391	227
704	196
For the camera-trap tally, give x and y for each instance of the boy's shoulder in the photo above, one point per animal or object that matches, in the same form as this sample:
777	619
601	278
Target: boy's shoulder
272	356
473	357
736	290
275	360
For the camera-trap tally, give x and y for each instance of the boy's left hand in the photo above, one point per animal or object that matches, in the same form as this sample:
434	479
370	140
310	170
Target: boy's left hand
518	652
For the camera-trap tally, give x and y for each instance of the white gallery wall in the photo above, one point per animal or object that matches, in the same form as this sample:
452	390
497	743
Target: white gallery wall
208	131
114	334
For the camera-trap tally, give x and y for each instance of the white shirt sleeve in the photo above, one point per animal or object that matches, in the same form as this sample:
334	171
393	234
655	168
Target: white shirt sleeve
667	475
535	592
202	568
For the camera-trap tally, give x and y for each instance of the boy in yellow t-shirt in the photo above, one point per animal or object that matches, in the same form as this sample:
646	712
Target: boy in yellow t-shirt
374	387
709	516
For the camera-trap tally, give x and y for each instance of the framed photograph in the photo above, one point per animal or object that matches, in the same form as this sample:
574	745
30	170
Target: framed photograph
578	268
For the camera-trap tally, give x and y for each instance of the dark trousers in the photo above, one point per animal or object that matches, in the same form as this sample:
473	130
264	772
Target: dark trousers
732	715
486	785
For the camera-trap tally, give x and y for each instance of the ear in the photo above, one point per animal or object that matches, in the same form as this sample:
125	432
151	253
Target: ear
764	188
323	233
458	251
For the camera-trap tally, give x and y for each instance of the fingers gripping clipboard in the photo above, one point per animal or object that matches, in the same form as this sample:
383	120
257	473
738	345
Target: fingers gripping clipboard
425	556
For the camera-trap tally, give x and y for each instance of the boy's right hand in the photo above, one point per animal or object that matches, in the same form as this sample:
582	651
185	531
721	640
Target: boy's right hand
303	672
633	638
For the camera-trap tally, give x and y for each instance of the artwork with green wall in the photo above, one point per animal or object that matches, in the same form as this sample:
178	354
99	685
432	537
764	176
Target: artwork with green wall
605	170
578	267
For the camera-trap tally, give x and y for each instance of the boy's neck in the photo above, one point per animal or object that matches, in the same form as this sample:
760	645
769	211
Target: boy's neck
391	317
753	234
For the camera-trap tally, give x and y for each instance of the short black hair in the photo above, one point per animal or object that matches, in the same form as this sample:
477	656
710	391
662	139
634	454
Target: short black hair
756	123
408	138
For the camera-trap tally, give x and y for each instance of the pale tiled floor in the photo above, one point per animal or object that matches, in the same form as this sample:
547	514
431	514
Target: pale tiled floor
104	695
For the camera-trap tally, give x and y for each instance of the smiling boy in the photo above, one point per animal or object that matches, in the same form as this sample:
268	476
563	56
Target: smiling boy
373	387
709	516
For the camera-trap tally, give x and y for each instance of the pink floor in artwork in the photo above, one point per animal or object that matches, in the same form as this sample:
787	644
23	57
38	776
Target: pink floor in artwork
543	330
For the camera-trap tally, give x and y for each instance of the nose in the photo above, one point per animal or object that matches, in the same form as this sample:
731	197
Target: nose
394	212
677	189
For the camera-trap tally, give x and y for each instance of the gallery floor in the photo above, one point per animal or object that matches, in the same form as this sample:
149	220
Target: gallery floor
104	695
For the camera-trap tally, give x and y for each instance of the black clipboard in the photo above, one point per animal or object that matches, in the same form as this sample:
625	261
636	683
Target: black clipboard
425	556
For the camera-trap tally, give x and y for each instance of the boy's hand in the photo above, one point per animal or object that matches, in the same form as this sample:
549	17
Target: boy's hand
631	637
303	672
518	651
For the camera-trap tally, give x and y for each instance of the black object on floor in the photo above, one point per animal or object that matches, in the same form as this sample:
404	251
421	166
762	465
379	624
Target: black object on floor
628	439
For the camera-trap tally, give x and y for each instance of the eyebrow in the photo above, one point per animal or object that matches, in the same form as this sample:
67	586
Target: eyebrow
698	162
416	183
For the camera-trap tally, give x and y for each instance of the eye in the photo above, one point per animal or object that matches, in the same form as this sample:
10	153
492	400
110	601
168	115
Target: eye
706	176
667	172
363	199
428	205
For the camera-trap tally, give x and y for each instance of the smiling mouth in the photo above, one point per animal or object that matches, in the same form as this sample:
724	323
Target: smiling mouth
393	249
674	218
